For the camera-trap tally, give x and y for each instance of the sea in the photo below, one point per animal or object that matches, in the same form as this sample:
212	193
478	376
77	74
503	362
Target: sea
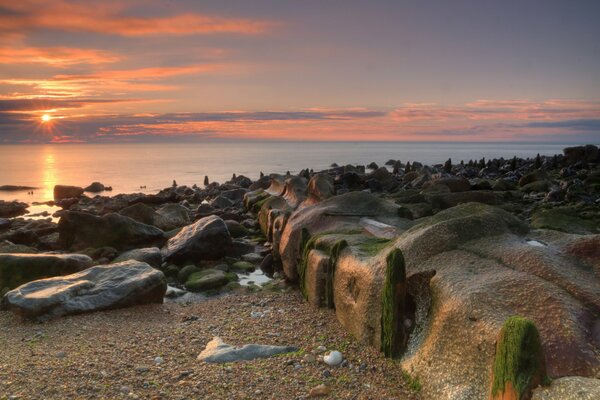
149	167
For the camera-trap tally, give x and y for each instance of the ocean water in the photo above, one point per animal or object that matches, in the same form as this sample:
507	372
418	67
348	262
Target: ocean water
126	167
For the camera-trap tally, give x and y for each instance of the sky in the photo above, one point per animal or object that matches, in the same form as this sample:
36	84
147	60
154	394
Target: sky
179	70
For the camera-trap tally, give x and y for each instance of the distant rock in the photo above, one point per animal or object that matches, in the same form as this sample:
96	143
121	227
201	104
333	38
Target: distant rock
17	268
95	187
10	209
80	230
97	288
15	188
218	352
67	192
207	238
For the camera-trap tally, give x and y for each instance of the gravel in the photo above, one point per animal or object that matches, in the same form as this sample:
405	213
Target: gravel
149	352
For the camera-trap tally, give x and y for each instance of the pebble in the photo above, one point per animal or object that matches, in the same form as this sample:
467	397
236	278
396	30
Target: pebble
319	391
326	373
333	358
61	354
125	390
321	349
158	360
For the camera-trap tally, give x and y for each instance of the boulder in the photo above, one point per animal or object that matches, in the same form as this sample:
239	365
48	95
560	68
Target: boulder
207	238
565	219
151	256
10	209
67	192
454	183
17	269
236	229
97	288
167	217
95	187
206	280
218	352
80	230
583	154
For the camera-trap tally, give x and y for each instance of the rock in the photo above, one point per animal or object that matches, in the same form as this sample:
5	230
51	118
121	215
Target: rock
205	280
447	200
252	258
243	266
221	202
503	185
532	177
149	255
206	239
185	272
582	154
569	388
95	187
97	288
454	184
17	269
8	247
5	223
10	209
564	219
333	359
319	391
205	209
236	229
537	186
15	188
241	181
80	230
166	218
218	352
67	192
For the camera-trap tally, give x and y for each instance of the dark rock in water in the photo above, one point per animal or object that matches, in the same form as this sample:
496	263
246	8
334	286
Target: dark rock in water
97	288
241	181
95	187
218	352
17	269
150	255
582	154
15	188
206	280
207	238
10	209
67	192
373	165
80	230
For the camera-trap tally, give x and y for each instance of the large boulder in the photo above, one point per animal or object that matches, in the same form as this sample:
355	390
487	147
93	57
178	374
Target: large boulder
10	209
17	269
79	230
66	192
207	238
97	288
150	255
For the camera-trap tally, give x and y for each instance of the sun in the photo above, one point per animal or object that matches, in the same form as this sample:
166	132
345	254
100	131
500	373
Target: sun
46	118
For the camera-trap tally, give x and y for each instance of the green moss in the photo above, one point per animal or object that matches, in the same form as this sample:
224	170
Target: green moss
393	337
334	255
519	358
307	244
565	219
373	245
412	381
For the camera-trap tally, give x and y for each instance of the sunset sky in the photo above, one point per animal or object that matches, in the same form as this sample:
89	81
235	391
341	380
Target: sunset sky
149	70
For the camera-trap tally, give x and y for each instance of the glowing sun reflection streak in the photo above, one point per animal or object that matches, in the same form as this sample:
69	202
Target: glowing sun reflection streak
50	173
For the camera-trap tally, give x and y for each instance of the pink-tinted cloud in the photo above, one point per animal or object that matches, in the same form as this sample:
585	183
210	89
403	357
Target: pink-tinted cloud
501	110
55	56
110	18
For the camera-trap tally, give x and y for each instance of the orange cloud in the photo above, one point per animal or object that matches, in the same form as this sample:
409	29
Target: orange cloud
55	56
108	18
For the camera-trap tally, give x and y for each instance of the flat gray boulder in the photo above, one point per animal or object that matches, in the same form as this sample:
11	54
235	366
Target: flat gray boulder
207	238
218	352
80	230
19	268
149	255
101	287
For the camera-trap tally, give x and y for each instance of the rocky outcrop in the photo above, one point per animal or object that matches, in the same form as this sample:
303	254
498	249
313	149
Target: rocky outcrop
67	192
10	209
206	239
97	288
17	269
79	230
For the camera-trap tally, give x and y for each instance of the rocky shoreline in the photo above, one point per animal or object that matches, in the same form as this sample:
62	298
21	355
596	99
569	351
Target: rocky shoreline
449	268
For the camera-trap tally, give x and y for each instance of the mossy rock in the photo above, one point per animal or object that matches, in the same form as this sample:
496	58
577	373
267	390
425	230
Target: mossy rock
185	272
206	280
232	276
393	336
536	187
171	270
243	266
564	219
519	365
232	286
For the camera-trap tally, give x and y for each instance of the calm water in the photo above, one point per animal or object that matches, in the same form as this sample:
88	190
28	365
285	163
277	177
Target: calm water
126	167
